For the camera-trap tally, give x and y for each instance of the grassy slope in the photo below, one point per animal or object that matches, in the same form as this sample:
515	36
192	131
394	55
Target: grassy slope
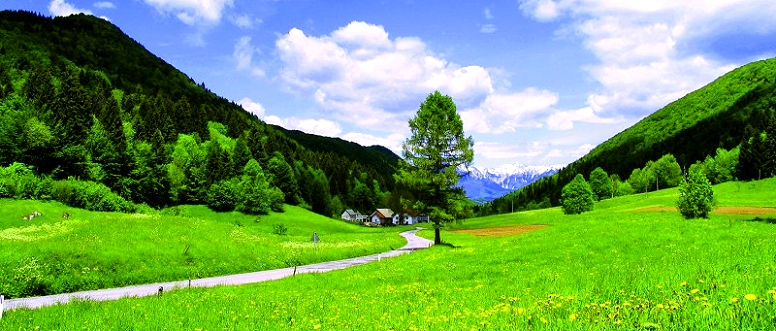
97	250
613	268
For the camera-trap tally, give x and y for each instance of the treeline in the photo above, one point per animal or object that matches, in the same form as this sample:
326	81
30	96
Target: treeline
80	101
731	111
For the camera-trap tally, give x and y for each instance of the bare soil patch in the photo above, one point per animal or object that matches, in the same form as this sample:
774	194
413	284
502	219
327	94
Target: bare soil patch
502	230
725	210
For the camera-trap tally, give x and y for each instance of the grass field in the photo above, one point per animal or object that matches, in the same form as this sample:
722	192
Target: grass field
631	264
93	250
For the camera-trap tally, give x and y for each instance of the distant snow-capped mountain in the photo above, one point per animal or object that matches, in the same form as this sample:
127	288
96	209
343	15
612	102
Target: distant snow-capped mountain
487	184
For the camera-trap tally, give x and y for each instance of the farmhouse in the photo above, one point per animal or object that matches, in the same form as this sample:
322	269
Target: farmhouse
409	217
351	215
382	216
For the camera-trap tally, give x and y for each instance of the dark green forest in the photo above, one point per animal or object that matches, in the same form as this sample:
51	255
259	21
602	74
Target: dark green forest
737	109
82	103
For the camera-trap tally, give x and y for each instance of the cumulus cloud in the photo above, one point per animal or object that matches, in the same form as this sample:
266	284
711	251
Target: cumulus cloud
62	8
243	56
645	48
192	12
564	120
252	107
497	150
574	153
392	141
500	113
359	74
321	127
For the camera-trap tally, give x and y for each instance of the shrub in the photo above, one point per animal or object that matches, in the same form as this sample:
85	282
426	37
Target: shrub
222	196
696	196
279	229
276	199
89	195
577	197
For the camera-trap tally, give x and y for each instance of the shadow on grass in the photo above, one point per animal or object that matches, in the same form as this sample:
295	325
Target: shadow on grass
447	245
768	220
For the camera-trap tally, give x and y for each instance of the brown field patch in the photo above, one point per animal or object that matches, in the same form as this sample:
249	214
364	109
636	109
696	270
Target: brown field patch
502	230
724	210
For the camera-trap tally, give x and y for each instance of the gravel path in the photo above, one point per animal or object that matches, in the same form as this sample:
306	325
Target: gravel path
413	242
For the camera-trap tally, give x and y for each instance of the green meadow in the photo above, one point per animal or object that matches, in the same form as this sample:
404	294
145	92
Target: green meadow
92	250
631	264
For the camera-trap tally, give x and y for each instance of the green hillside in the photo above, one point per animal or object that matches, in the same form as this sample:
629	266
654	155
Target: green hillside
631	264
92	250
79	98
691	128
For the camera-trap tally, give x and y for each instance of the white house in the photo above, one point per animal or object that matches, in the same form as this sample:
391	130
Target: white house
351	215
382	216
410	218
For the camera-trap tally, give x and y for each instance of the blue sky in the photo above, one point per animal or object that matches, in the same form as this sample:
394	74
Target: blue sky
537	82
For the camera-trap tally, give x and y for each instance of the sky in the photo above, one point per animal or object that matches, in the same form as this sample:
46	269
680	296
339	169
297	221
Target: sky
536	82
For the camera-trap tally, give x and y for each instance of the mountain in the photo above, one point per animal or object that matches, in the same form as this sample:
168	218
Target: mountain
81	99
714	116
487	184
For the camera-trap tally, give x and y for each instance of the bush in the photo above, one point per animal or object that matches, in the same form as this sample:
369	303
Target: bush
577	197
696	196
222	196
276	199
279	229
89	195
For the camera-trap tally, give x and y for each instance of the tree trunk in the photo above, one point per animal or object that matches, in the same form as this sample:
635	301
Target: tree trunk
437	237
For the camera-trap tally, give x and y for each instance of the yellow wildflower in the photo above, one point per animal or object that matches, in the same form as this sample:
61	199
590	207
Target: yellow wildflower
659	306
695	290
684	284
573	317
750	297
316	326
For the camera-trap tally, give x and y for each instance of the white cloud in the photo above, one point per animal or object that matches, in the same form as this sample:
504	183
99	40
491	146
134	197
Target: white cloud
252	107
644	47
244	21
496	150
392	141
488	14
488	28
568	154
62	8
104	5
500	113
243	56
564	120
360	75
321	127
192	12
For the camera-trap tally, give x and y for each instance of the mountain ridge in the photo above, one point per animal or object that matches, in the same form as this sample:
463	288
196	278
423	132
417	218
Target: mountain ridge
486	184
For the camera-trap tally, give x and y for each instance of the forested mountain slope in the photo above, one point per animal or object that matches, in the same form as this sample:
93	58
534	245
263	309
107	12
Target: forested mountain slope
690	128
79	98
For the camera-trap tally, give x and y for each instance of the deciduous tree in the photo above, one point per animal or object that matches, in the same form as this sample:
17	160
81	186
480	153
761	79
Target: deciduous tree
577	197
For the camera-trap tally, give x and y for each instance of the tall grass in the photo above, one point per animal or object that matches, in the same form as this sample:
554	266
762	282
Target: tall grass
93	250
620	267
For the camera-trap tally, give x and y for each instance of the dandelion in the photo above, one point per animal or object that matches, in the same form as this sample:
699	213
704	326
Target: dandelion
660	306
573	317
684	284
750	297
733	300
316	326
695	290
